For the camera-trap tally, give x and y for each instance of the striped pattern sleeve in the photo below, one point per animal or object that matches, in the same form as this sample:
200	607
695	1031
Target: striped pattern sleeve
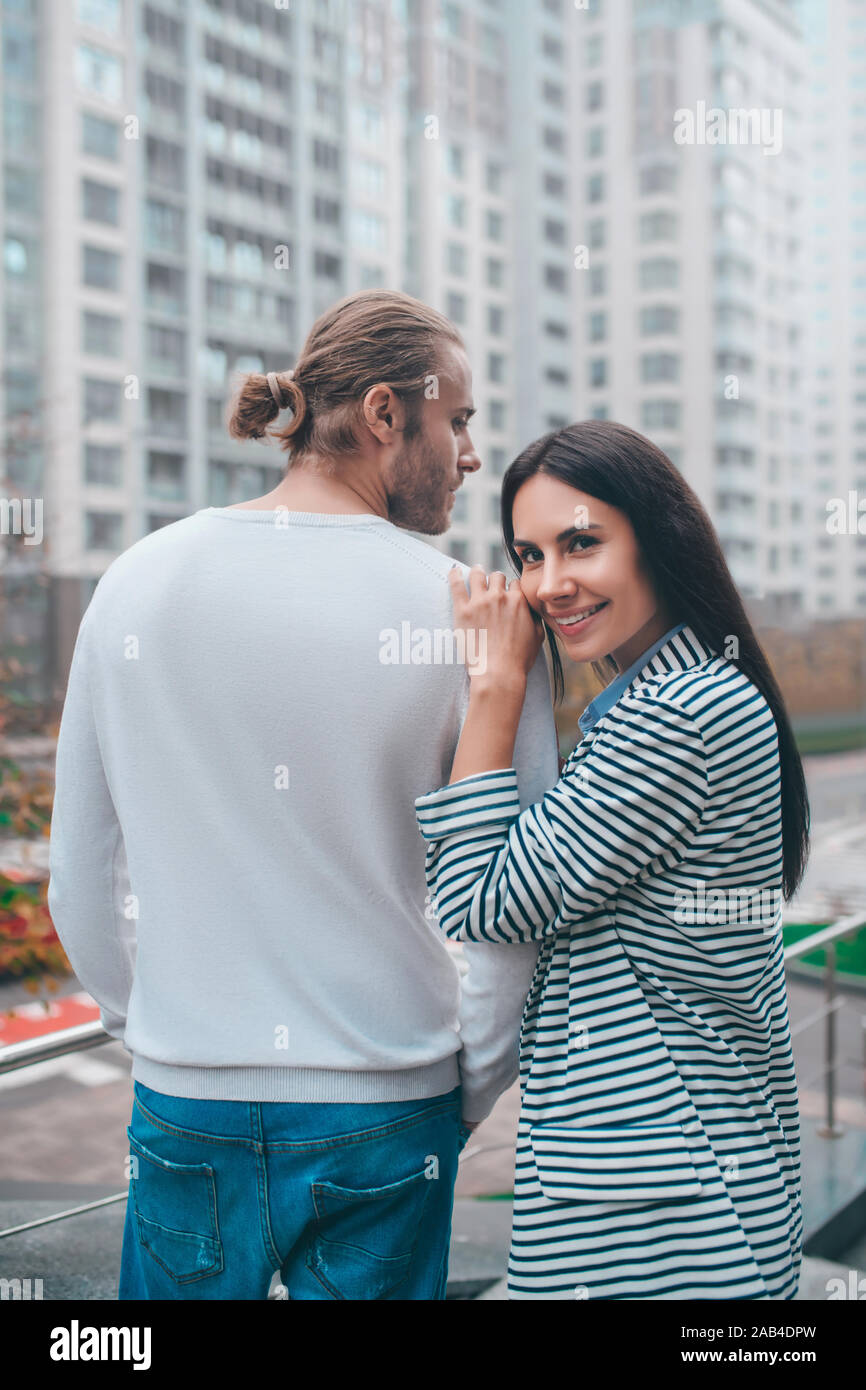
496	874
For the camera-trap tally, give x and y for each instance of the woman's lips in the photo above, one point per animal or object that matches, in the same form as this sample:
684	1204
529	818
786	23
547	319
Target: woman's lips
577	629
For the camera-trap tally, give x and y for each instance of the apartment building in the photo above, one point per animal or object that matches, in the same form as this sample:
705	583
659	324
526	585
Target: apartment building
690	319
835	296
25	389
188	184
214	174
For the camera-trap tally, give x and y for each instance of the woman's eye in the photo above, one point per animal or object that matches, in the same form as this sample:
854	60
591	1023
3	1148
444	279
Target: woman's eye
586	542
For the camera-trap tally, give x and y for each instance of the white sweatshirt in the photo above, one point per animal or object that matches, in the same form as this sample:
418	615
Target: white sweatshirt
236	870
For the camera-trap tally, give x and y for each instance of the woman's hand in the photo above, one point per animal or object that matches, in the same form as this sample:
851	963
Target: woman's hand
503	634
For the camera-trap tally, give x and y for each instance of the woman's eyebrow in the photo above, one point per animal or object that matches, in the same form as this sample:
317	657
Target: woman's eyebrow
570	531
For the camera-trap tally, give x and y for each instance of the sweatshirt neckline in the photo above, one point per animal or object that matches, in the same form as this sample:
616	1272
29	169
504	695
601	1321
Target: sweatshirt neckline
269	515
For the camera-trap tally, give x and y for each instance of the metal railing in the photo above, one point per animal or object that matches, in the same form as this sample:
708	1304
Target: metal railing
45	1049
827	939
87	1035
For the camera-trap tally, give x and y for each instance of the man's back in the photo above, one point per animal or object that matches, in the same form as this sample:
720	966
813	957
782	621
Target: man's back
255	753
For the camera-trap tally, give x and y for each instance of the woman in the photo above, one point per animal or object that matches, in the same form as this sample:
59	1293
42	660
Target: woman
658	1139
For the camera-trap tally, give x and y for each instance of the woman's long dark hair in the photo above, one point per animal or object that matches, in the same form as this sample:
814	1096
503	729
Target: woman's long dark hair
687	569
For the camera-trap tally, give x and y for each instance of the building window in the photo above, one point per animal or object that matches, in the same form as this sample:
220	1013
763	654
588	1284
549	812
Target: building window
597	233
100	203
456	210
368	230
166	411
456	307
370	178
102	401
493	175
594	96
455	259
598	279
98	73
552	48
554	278
326	266
660	415
166	348
496	415
101	269
594	50
102	334
595	140
166	475
598	371
161	29
163	92
495	320
99	14
597	327
103	530
554	231
19	258
456	164
326	156
165	288
659	274
595	188
553	139
658	318
103	465
164	227
452	19
165	163
495	272
658	226
554	185
658	178
495	225
99	137
659	366
496	366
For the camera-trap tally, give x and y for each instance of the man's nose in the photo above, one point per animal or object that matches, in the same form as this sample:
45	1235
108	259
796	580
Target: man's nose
469	461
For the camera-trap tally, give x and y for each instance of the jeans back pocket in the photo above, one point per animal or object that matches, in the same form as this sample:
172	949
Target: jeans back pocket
175	1211
366	1238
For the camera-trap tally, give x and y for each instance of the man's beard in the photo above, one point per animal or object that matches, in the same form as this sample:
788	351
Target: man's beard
418	489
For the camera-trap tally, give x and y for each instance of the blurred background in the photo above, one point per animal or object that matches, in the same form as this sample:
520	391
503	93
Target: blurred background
185	185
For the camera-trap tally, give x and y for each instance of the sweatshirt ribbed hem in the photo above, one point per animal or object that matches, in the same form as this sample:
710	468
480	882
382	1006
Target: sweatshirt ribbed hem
296	1083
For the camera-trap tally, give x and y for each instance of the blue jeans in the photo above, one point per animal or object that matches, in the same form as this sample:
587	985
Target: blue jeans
347	1201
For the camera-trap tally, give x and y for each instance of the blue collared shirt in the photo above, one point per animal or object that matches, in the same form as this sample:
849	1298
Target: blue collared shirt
608	697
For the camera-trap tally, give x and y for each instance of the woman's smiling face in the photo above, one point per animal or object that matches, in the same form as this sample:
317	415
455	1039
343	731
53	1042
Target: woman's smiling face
580	554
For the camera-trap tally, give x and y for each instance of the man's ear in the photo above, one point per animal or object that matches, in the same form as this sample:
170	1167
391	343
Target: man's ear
383	413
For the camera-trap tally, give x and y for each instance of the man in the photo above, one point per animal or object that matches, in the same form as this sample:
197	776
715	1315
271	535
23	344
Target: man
236	872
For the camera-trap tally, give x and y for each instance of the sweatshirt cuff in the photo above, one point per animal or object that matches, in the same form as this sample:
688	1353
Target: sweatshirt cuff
487	798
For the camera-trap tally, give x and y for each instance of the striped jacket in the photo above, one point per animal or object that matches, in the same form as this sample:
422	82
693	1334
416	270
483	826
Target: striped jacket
658	1138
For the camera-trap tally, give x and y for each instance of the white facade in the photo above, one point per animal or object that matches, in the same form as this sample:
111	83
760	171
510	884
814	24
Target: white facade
213	174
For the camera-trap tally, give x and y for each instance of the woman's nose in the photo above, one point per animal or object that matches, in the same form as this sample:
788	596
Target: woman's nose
554	582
